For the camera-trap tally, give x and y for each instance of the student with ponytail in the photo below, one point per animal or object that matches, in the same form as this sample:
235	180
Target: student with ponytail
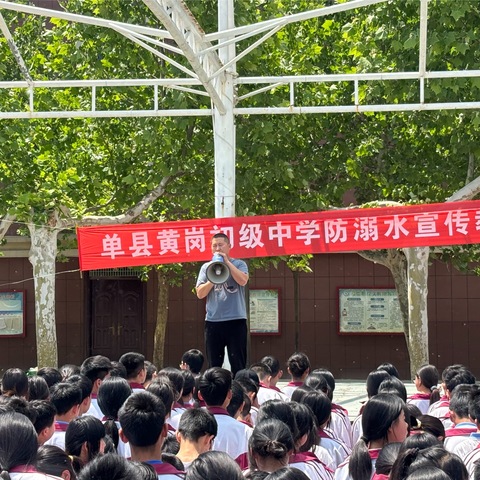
426	383
383	422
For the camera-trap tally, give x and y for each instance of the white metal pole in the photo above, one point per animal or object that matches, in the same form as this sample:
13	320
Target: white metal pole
224	128
224	125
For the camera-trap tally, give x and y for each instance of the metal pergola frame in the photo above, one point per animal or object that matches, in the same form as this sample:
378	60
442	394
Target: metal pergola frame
207	68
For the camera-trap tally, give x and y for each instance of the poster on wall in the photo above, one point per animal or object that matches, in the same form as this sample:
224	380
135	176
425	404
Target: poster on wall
369	311
12	314
264	311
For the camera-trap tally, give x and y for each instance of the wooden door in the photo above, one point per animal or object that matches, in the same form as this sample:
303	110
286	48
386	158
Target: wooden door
118	320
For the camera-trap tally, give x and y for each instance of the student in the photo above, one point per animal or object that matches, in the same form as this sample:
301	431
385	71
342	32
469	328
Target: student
270	446
44	419
192	360
186	399
374	379
151	373
321	407
54	461
68	370
85	439
177	380
214	388
386	459
86	387
277	372
214	465
18	447
111	467
266	392
451	377
251	388
15	383
426	383
237	401
38	388
51	375
298	367
66	398
195	434
287	473
118	370
134	364
306	439
429	424
463	425
383	422
97	369
469	449
142	420
112	394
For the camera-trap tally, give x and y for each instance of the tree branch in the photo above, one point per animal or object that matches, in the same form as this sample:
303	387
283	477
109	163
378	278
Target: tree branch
5	224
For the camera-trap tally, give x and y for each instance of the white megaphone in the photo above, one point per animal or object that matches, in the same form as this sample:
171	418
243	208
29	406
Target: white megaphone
217	272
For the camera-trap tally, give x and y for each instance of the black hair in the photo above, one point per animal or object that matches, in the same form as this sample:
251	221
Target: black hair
51	375
374	379
38	388
175	376
420	440
83	382
171	445
380	412
287	473
306	425
118	370
188	382
112	394
172	459
393	385
214	465
142	418
197	422
86	428
428	375
52	460
96	367
195	359
68	370
462	376
328	377
460	399
15	382
428	423
428	473
299	393
250	374
248	385
18	441
214	385
109	466
133	362
143	471
64	396
298	364
317	381
279	410
238	394
163	389
271	438
221	235
19	405
386	458
474	406
45	414
389	368
150	369
319	404
273	363
262	370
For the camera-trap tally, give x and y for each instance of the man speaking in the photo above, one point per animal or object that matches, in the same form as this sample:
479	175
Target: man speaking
226	318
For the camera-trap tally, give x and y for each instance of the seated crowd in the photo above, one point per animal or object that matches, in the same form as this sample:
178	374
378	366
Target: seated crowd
119	420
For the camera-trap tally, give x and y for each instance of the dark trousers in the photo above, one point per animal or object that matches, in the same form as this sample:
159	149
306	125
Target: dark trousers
231	334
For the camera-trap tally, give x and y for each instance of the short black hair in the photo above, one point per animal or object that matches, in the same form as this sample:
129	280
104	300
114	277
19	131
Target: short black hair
195	359
64	396
83	382
51	375
45	411
214	385
96	367
133	362
197	422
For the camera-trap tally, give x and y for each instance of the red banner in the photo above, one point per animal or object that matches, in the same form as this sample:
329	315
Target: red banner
129	245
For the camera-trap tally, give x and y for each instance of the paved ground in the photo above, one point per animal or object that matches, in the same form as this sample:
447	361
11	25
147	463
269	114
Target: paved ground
352	393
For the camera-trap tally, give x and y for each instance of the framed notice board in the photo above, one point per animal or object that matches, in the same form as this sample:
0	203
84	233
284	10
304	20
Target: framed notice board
367	311
264	309
12	314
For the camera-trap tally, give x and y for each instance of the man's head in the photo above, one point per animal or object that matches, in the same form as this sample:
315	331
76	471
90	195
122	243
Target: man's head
192	360
220	243
66	398
134	363
96	368
197	426
215	387
142	418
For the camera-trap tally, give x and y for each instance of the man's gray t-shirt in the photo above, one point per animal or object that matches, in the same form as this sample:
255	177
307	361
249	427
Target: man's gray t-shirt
227	300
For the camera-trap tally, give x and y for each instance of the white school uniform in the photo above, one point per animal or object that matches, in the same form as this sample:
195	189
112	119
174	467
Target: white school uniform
469	444
289	388
420	400
441	410
232	436
340	425
58	437
268	393
458	434
471	459
335	447
309	464
94	410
